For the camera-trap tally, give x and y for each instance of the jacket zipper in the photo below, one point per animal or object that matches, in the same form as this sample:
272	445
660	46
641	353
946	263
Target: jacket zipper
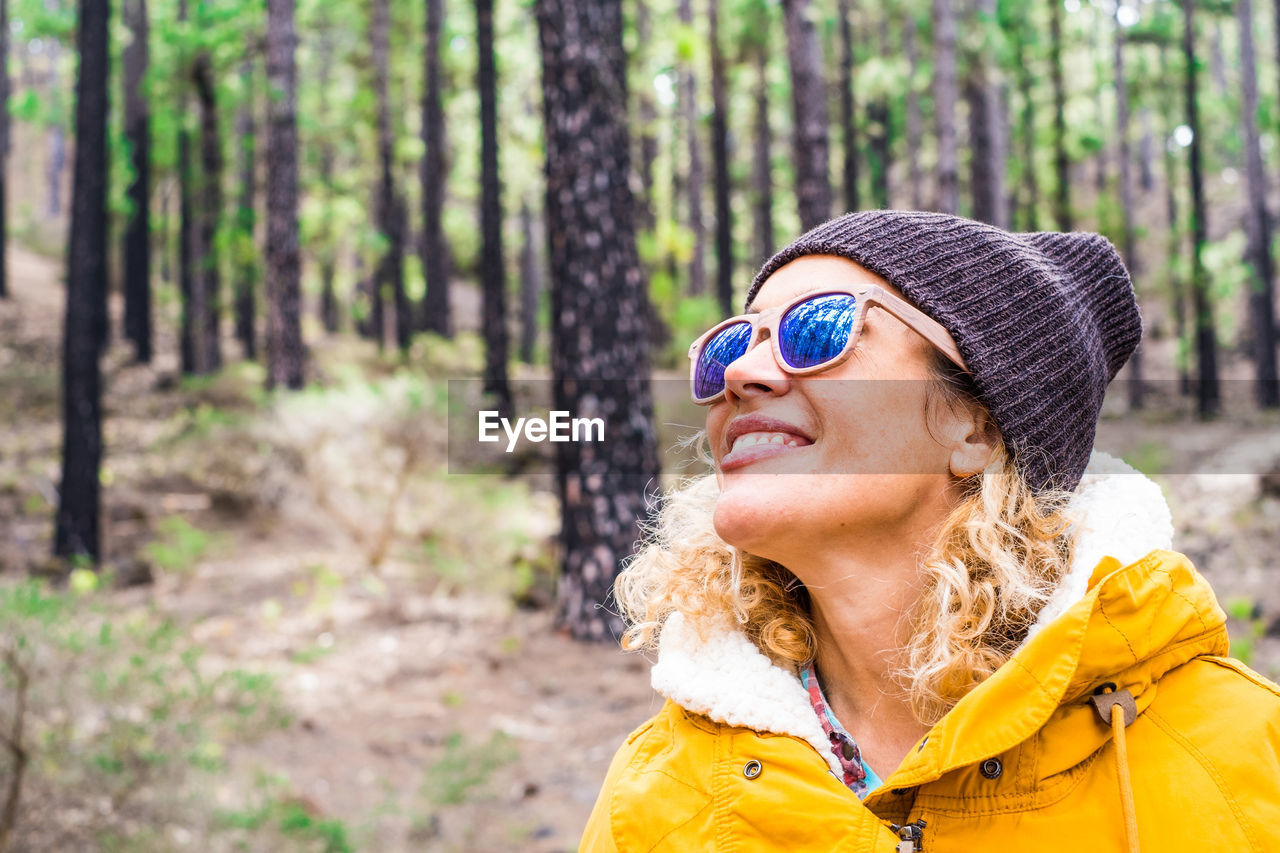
912	835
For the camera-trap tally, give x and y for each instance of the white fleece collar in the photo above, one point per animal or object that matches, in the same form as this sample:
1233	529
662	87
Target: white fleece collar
723	676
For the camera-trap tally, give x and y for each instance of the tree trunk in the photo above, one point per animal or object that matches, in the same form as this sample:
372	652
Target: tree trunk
327	255
1146	157
4	143
809	104
762	165
286	356
1136	387
492	270
389	276
944	97
1061	162
600	352
1100	159
1208	394
530	286
880	129
208	338
697	176
186	273
1030	190
720	161
186	229
435	304
246	217
77	530
1177	286
1258	221
982	91
915	125
648	120
848	125
137	237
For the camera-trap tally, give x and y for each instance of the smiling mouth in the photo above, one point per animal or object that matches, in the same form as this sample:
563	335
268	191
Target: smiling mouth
753	446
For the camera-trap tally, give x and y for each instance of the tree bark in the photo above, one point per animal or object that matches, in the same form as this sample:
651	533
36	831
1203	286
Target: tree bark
246	217
207	302
1030	189
1258	221
1208	394
809	105
436	316
1146	176
389	276
137	237
915	125
286	356
186	229
1127	247
4	145
1177	285
982	91
492	270
720	161
697	172
77	532
648	120
880	130
326	256
1061	161
944	96
600	350
762	165
530	286
848	114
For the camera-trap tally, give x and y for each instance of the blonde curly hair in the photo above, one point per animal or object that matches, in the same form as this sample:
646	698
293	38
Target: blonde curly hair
994	563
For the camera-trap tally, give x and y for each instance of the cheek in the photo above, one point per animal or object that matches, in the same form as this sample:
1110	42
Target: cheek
880	432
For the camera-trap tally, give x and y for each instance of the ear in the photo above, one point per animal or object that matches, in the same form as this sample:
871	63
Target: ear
972	437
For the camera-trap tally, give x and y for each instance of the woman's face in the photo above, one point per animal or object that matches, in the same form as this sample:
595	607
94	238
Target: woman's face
858	466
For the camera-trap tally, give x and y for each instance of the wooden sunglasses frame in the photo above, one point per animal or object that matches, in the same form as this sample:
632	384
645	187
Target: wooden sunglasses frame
770	318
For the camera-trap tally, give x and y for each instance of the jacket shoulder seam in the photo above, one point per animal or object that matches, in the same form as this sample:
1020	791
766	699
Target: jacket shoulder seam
1205	764
1243	669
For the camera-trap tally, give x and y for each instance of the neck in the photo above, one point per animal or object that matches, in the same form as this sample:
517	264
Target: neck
860	626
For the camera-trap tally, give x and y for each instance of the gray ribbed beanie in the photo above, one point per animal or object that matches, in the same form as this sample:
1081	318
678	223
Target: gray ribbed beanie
1044	320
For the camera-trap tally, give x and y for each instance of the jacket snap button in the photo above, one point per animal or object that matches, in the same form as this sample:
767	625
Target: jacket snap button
992	768
751	769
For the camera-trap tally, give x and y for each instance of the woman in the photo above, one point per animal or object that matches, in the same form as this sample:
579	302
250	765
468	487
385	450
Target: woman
902	614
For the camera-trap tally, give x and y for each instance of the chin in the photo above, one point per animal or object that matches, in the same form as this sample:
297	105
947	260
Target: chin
755	518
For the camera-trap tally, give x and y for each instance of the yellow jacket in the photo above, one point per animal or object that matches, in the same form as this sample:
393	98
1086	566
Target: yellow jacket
737	761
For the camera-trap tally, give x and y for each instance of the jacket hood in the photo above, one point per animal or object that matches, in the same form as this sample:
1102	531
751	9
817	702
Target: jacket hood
1126	612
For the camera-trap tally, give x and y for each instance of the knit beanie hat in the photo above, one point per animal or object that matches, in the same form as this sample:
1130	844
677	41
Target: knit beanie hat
1044	320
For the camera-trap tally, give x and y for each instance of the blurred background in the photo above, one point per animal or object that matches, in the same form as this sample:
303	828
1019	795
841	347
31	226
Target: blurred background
252	597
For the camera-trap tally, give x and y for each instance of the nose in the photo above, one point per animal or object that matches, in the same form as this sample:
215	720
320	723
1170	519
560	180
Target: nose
757	372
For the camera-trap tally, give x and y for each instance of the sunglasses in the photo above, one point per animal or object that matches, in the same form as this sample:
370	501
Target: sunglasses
812	332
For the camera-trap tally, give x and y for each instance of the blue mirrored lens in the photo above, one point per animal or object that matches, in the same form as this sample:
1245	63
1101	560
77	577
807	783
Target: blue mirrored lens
816	330
728	345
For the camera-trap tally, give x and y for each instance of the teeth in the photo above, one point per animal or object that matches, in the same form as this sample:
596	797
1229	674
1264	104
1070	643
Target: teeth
751	439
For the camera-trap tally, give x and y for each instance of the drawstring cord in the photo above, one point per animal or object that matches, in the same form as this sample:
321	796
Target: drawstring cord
1118	708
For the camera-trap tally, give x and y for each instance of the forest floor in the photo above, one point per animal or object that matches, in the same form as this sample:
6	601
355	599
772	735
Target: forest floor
402	610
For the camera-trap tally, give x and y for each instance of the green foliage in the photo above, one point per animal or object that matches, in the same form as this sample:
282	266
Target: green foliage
1249	613
1150	457
179	546
465	768
1228	276
277	814
121	714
